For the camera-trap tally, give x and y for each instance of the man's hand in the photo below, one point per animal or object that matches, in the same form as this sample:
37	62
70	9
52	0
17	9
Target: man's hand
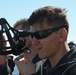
25	68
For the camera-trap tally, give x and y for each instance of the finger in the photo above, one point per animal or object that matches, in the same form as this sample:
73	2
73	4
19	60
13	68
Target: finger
21	66
17	62
26	58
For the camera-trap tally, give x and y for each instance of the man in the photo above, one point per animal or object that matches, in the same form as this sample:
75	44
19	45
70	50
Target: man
49	33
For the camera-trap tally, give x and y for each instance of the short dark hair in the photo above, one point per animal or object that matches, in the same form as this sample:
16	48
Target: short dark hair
51	14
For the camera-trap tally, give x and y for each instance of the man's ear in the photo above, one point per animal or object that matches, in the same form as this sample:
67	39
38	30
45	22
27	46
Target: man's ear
63	34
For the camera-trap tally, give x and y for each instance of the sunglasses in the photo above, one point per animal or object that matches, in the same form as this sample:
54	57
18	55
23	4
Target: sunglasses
45	33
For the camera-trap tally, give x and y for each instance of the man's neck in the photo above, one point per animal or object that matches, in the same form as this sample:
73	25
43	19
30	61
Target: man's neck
56	58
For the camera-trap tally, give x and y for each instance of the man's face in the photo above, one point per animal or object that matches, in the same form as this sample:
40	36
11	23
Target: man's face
48	46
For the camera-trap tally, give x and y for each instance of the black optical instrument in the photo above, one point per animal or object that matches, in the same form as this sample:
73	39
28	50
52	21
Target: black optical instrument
14	42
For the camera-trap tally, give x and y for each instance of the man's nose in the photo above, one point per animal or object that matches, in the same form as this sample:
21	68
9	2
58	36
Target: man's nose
35	41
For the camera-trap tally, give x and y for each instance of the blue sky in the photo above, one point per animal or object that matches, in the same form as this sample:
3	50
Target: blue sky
14	10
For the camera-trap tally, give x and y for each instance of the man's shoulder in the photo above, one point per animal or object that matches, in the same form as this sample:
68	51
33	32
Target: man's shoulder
71	69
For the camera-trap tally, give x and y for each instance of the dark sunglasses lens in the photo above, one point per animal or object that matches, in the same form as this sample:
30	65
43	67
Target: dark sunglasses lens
37	35
41	34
